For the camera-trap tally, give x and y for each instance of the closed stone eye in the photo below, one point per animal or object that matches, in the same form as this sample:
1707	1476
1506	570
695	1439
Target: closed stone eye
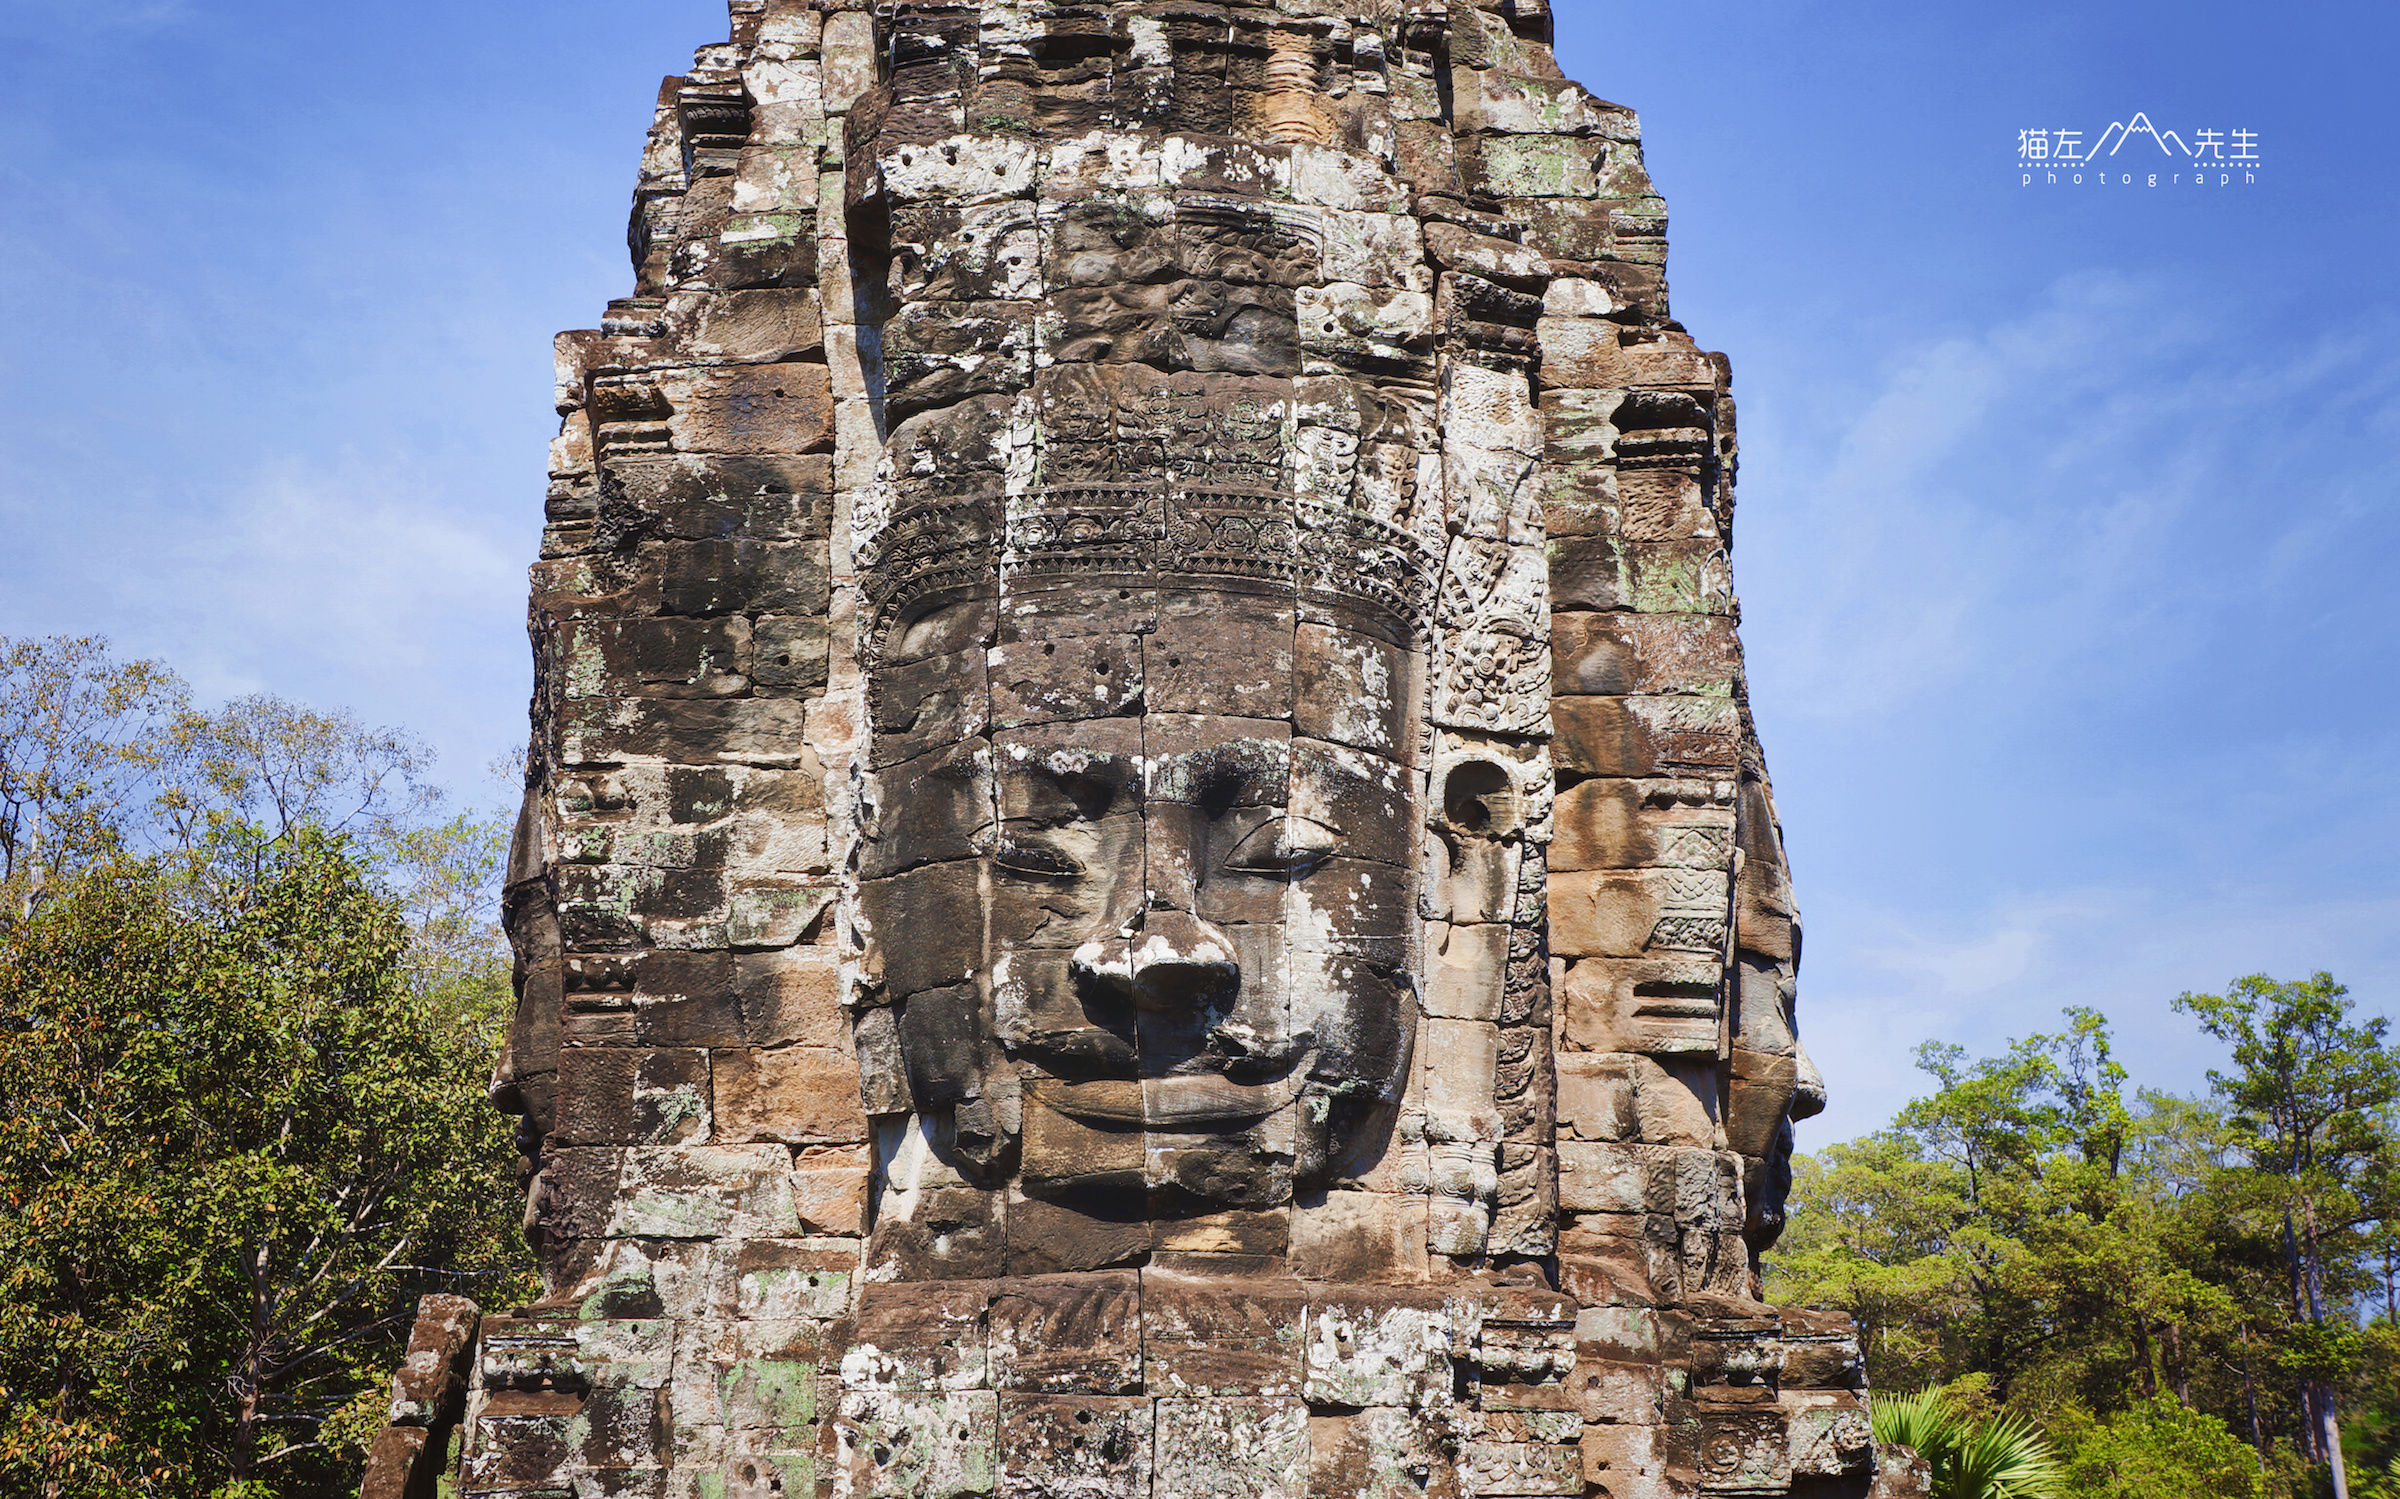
1035	859
1288	845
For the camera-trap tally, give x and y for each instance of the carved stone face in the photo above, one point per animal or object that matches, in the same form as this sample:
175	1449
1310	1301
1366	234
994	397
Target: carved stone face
1773	1084
1179	947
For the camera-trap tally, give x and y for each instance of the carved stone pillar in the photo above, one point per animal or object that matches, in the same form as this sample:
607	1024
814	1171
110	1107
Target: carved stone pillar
1145	871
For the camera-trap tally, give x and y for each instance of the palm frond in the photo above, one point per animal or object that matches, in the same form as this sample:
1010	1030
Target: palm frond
2006	1458
2002	1458
1923	1421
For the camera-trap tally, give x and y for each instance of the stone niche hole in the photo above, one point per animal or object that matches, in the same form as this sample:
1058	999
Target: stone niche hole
1479	797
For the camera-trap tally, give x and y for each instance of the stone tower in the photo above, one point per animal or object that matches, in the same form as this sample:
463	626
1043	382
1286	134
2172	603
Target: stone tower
1144	870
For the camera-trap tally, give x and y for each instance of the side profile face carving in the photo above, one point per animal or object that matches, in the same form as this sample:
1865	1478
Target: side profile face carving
1773	1083
1153	951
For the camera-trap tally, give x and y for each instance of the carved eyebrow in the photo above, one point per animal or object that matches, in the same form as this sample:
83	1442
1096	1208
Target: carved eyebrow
1069	767
1037	780
1100	770
1220	772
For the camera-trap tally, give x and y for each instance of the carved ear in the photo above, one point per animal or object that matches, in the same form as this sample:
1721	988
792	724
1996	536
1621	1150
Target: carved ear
983	1141
1479	824
960	624
1341	1136
1480	800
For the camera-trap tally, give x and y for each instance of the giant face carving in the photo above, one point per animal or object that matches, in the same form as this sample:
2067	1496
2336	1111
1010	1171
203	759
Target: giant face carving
1145	642
1173	873
1776	1085
1773	1083
1096	524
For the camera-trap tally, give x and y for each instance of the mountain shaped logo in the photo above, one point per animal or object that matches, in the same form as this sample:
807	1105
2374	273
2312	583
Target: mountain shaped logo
2121	131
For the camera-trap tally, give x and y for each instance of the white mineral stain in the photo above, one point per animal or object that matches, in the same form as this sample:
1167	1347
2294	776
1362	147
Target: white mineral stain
1093	957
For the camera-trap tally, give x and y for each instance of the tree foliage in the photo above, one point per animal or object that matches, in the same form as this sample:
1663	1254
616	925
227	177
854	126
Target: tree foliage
249	994
2129	1269
2158	1447
83	737
2309	1091
101	756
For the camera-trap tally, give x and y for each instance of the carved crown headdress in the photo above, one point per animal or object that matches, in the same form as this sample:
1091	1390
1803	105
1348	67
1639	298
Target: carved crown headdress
1135	475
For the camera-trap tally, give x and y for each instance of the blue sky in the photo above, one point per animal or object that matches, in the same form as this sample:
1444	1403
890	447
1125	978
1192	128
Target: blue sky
2066	514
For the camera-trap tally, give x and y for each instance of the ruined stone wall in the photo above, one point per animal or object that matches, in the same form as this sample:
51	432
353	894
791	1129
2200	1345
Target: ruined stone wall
1205	503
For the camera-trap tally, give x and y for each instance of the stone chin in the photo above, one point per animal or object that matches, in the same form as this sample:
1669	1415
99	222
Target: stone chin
1770	1197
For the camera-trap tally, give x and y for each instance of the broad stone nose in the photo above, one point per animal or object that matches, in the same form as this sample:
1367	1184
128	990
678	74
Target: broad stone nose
1167	962
1183	964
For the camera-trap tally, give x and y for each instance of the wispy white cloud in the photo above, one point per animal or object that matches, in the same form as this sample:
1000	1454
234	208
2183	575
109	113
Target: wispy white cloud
2017	498
356	567
2072	614
1984	979
351	584
1953	967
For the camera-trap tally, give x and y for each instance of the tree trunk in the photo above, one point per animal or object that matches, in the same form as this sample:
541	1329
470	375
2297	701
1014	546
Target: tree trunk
2312	1431
2181	1373
2258	1433
2316	1395
244	1457
2331	1436
2145	1356
243	1460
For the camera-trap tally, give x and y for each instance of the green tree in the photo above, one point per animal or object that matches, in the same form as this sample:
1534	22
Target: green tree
99	755
1872	1234
143	843
2157	1449
2307	1090
84	739
264	762
446	876
2008	1225
2035	1227
236	1148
